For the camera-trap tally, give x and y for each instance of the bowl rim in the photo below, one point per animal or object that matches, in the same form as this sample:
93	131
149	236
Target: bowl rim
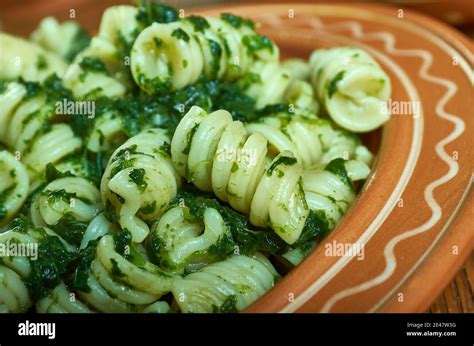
462	218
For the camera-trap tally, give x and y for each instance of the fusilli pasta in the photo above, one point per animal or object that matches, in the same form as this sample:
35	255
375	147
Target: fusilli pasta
218	154
27	60
226	286
352	87
174	55
139	181
14	186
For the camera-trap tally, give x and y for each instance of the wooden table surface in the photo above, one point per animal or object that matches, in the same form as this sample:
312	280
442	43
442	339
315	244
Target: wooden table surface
458	295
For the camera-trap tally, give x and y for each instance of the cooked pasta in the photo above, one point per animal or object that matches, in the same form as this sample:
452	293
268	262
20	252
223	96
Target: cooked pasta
19	267
65	39
185	243
227	286
299	69
14	295
218	154
331	189
64	203
352	87
27	60
312	140
173	162
61	300
274	82
107	133
100	70
117	284
28	128
14	186
173	55
140	181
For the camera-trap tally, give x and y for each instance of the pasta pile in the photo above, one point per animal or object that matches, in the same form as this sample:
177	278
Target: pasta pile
171	164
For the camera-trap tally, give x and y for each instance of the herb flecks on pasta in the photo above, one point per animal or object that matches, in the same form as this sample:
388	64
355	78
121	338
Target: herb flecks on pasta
203	163
352	87
173	55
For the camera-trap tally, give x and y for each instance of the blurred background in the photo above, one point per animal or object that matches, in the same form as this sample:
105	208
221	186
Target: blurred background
21	17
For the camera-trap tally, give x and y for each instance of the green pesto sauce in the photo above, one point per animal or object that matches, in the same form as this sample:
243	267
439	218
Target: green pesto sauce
155	85
150	12
158	42
41	63
52	173
180	34
164	150
256	42
4	196
248	238
332	84
93	64
53	262
81	273
80	41
138	176
147	209
316	227
189	139
338	168
235	167
282	160
3	86
236	21
200	24
70	229
228	306
216	52
116	270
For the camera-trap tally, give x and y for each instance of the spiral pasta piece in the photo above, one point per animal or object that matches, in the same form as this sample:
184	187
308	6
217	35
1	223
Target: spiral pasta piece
61	300
171	56
29	129
299	69
217	154
14	296
183	243
14	184
312	140
140	181
237	282
107	133
275	82
27	60
16	268
330	188
64	203
99	69
352	87
98	227
64	39
118	285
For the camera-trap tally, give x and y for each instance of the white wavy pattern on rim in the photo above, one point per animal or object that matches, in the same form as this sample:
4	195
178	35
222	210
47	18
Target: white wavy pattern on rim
396	193
389	256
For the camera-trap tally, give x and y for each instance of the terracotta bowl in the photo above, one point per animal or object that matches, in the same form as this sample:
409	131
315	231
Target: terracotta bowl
414	215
